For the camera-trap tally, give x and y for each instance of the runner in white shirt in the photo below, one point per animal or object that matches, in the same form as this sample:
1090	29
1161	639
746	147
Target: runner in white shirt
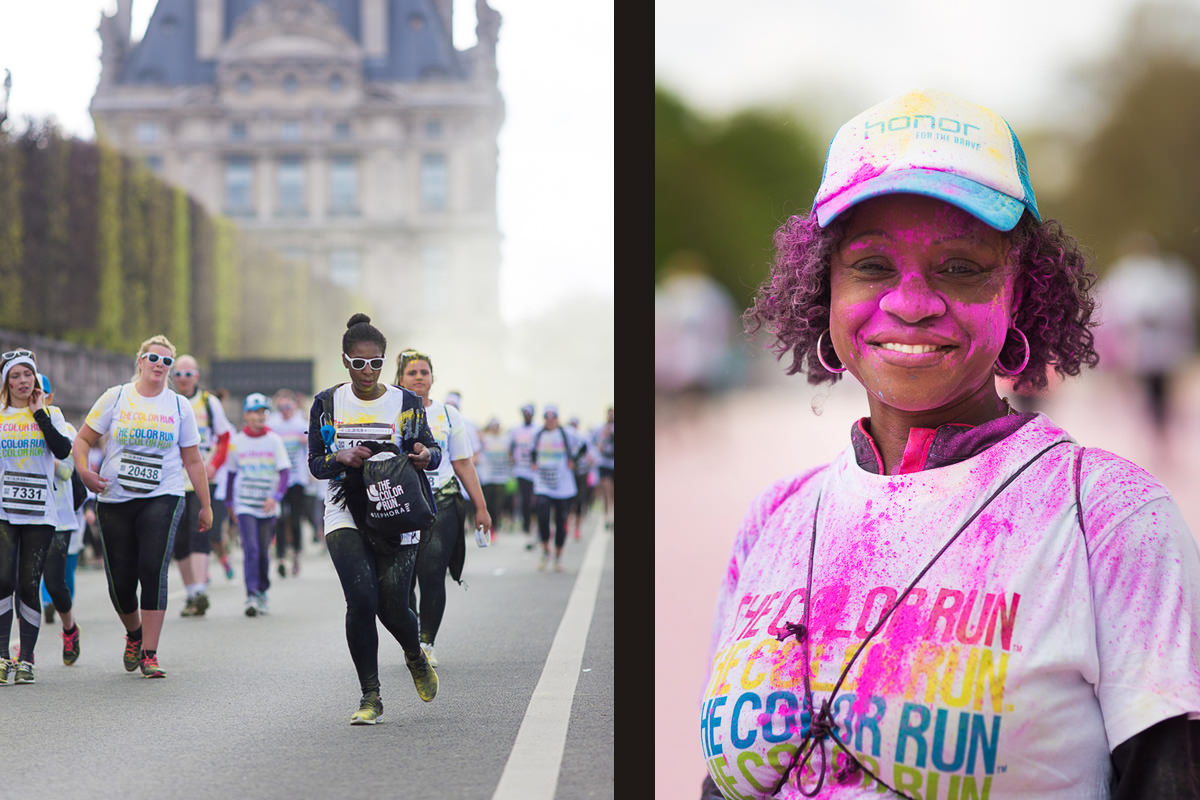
58	577
32	435
520	446
605	445
554	452
444	545
258	476
495	471
292	426
152	441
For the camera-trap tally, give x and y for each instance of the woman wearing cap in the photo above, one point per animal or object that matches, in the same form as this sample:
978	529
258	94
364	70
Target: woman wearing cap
152	441
443	546
31	437
375	583
965	601
553	453
258	477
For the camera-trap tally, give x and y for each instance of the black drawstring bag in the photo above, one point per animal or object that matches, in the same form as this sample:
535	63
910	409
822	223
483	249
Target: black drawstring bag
379	511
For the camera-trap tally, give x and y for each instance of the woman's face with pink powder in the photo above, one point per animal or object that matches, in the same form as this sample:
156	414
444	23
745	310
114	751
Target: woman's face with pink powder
922	298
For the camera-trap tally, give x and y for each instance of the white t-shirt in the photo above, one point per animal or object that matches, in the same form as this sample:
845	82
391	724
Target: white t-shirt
522	446
1025	654
494	466
553	476
64	496
141	455
294	433
27	467
256	462
209	429
604	439
450	431
356	421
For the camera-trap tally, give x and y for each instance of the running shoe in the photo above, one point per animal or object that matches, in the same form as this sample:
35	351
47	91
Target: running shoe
557	565
7	666
150	667
251	606
228	567
542	559
24	672
201	604
282	570
427	649
133	654
71	646
369	710
263	607
189	608
425	679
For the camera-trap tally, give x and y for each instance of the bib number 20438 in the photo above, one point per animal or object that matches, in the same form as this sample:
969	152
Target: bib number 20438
140	473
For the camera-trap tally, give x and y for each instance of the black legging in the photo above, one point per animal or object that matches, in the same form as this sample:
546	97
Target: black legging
373	585
559	506
54	572
433	559
22	555
291	511
493	498
190	538
137	537
525	501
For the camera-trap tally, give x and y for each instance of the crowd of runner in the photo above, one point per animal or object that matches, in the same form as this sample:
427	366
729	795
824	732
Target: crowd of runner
156	472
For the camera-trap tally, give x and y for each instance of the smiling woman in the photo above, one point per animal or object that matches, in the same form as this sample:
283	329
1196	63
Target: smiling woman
963	583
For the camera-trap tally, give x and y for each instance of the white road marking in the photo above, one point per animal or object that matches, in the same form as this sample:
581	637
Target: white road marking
533	765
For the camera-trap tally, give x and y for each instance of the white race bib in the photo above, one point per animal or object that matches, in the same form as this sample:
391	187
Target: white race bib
140	472
24	493
253	492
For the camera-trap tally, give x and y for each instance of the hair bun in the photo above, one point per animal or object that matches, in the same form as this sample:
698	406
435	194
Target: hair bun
356	319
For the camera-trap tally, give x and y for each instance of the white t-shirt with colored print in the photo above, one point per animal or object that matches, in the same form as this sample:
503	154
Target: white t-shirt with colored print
522	447
27	467
356	421
450	431
211	424
1026	653
256	462
294	433
64	496
141	455
494	466
552	474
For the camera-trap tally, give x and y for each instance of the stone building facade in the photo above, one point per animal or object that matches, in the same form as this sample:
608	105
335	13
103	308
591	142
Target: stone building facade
349	135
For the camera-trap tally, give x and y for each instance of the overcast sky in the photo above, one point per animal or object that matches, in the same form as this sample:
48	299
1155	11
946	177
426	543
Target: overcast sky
1013	56
556	156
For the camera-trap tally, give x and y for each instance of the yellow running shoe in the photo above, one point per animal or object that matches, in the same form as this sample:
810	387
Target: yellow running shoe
133	654
369	710
7	667
424	677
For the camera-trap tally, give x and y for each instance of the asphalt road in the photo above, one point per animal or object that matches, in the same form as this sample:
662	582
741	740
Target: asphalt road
260	707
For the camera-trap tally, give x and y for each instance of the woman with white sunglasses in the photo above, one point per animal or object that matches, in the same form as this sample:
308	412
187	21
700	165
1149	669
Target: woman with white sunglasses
152	440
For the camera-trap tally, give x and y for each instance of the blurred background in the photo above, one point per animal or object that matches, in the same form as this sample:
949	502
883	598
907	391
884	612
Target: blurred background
243	175
1105	98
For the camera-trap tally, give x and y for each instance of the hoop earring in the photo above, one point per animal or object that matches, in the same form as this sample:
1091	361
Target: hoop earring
1003	370
821	358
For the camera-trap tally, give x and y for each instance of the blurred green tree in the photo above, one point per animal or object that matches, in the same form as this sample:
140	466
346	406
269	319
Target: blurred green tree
721	187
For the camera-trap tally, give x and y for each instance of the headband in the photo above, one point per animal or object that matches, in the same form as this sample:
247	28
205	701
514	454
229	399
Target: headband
15	362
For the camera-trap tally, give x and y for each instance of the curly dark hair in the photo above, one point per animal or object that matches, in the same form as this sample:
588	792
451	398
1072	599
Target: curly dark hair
1054	284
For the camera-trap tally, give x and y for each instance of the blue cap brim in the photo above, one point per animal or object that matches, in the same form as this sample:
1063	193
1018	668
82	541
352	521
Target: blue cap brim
992	207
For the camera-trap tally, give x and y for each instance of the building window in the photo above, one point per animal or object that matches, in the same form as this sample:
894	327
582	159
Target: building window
239	186
433	128
344	267
435	278
434	182
147	132
244	84
290	83
289	130
237	131
343	186
154	164
341	130
336	82
289	187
